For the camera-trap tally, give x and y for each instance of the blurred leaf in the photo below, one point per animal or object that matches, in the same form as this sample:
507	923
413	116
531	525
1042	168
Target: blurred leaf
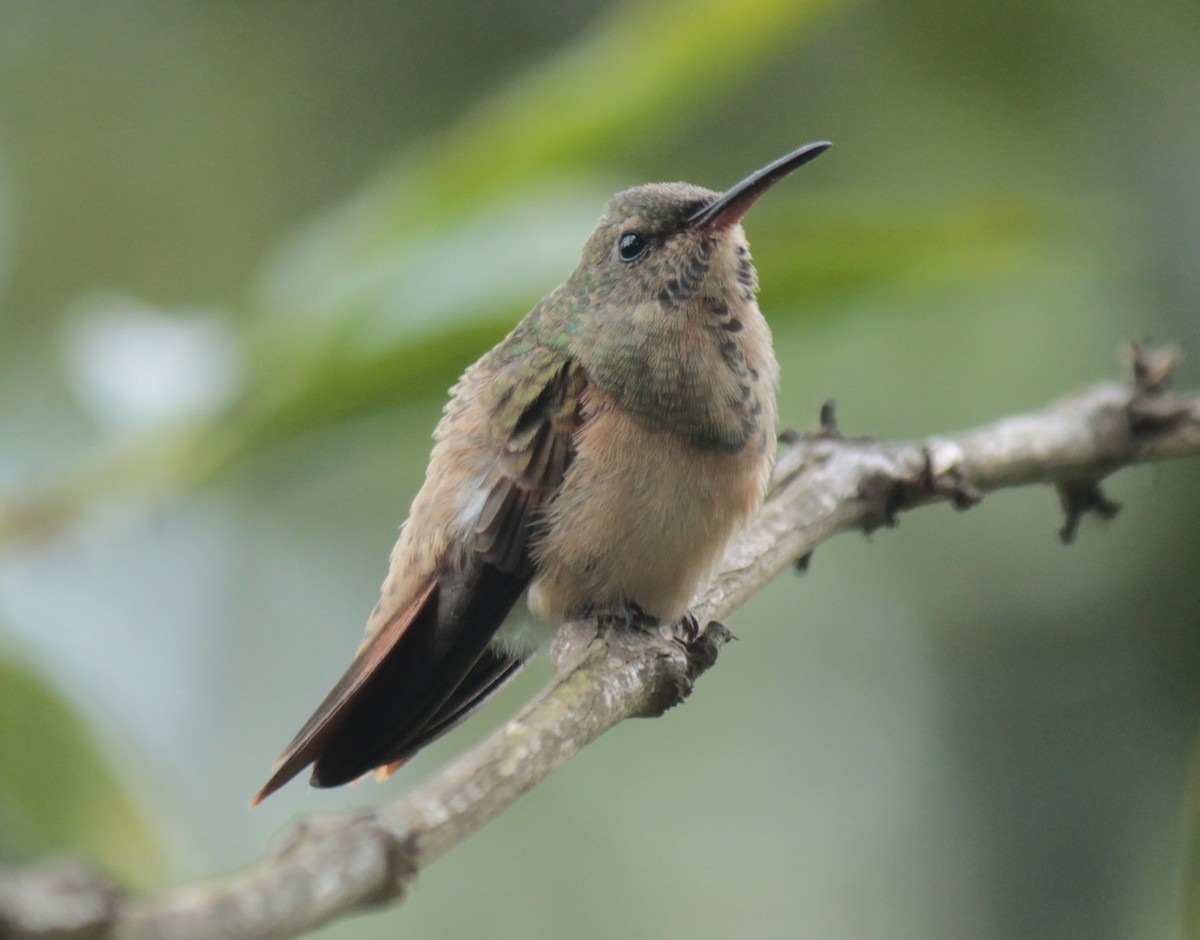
843	248
384	300
372	272
600	95
56	792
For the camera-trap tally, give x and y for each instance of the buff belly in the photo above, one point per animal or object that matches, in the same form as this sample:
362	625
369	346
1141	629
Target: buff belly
647	530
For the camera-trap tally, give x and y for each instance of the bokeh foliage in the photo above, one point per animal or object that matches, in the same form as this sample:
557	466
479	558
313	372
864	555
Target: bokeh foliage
56	793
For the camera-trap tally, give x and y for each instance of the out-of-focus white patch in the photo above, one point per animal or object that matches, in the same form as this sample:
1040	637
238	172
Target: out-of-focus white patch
522	634
135	366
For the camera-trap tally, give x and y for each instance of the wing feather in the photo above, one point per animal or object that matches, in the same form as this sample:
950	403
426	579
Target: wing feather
429	665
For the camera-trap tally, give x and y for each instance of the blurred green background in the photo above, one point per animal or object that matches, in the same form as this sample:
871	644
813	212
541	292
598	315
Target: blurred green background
245	248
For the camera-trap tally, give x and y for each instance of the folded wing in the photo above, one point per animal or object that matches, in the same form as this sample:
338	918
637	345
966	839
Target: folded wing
430	665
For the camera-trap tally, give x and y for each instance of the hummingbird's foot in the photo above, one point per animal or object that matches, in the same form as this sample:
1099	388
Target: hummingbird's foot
629	616
688	629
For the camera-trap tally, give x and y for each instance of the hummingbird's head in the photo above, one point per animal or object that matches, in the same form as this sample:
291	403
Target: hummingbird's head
645	249
660	311
668	242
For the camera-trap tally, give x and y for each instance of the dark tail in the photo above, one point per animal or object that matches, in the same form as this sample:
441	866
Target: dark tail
424	671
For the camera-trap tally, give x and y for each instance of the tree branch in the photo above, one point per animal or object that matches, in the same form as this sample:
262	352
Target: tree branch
824	484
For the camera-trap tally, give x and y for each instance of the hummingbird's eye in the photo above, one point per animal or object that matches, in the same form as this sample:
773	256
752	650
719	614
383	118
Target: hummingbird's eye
631	246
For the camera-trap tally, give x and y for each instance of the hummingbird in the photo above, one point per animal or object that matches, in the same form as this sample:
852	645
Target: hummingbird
596	461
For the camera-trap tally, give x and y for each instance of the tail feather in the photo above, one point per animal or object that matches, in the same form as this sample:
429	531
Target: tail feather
491	672
425	670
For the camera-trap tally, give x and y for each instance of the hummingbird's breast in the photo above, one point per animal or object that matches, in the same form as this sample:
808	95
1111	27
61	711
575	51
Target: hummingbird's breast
642	516
673	454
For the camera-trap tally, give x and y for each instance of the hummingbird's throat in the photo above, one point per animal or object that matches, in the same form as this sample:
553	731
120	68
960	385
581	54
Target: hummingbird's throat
713	265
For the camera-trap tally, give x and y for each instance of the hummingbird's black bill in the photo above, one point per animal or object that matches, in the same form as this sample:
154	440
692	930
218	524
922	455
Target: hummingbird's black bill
731	205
